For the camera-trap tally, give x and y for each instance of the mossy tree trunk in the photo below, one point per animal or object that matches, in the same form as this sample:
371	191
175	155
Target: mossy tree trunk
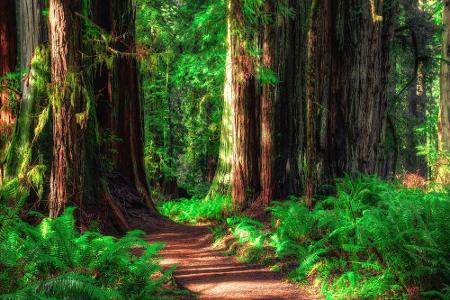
316	86
221	184
26	147
98	144
66	183
267	95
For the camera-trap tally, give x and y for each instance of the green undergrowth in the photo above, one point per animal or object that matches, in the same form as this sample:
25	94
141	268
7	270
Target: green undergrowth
197	210
374	239
53	260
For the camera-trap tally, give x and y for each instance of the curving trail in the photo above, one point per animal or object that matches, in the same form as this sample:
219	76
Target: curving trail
210	275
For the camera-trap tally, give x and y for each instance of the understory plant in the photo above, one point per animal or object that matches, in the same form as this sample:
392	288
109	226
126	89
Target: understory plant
53	260
197	210
373	239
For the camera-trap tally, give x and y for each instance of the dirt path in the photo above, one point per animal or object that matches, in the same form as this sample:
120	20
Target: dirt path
204	271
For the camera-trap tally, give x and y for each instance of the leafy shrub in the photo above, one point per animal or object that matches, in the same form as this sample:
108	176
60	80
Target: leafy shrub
197	210
53	260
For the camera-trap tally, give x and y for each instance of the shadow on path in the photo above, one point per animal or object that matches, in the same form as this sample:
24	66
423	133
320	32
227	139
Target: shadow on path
204	271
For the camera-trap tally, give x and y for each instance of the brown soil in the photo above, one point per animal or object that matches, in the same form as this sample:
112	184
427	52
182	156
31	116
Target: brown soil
204	271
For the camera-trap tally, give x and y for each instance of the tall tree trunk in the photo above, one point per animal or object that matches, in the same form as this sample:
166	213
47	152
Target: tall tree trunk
66	184
119	114
245	103
127	111
289	116
281	121
348	104
8	62
221	185
267	108
317	89
443	172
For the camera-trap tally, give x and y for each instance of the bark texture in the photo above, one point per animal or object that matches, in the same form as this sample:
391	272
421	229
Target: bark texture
245	104
289	106
267	108
319	59
66	184
120	115
33	30
444	105
347	103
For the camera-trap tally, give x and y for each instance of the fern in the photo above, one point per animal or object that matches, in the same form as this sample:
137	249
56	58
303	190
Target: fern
52	260
373	239
197	210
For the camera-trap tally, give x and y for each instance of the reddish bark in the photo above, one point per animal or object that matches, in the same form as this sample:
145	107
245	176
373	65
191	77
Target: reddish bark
245	127
118	95
8	62
267	110
66	186
347	132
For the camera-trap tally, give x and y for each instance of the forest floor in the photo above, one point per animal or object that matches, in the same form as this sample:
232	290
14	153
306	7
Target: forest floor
206	272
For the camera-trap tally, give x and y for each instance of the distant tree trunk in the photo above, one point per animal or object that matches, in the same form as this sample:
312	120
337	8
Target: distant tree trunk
66	183
33	57
33	31
348	102
245	103
443	172
8	62
416	115
417	91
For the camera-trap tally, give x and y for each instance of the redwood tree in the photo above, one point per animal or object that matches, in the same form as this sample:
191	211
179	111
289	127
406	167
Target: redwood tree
289	103
127	113
98	143
267	100
8	63
221	184
245	104
66	184
120	115
348	77
444	104
267	96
